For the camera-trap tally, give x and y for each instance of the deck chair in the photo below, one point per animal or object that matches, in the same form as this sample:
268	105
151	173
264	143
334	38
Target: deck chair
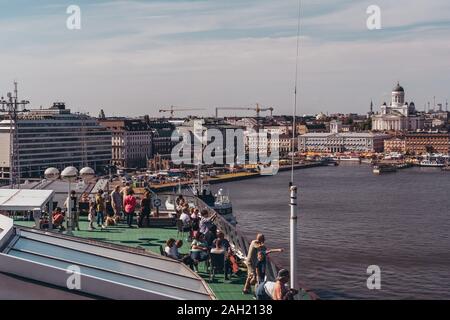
217	264
183	229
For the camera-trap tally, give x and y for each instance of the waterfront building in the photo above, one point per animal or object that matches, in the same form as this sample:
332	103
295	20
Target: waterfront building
162	138
342	142
131	141
397	145
399	115
426	142
284	144
311	128
276	129
52	137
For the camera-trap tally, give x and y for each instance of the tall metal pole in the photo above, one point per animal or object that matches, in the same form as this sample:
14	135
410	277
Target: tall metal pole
293	242
293	188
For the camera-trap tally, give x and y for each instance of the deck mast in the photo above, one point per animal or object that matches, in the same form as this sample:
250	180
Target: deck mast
293	188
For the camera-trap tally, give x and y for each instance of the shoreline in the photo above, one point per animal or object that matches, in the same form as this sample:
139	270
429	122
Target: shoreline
231	177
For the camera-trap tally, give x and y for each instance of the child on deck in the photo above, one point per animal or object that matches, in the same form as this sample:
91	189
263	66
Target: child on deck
91	215
260	267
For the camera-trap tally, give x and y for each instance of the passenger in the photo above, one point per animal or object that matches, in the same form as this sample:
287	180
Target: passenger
91	215
125	189
199	249
108	205
171	251
130	206
260	267
180	200
58	219
222	246
195	220
100	208
83	205
206	222
223	242
186	219
117	202
84	197
269	290
252	259
211	235
146	209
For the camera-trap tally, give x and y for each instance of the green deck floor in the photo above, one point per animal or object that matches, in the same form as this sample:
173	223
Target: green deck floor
151	239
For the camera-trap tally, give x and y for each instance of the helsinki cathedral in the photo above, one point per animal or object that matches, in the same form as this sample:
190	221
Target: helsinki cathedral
399	115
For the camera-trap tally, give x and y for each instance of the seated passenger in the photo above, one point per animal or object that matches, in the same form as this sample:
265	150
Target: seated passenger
221	245
199	249
58	219
171	251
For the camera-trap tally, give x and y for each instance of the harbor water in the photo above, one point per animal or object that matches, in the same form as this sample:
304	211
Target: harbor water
351	219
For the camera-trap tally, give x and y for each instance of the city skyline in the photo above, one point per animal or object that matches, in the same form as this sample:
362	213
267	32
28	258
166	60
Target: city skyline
132	58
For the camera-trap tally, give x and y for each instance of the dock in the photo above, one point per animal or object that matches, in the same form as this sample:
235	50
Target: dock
230	177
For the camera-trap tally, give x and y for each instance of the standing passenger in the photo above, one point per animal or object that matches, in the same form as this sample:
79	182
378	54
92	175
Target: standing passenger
100	207
91	215
130	206
146	209
117	202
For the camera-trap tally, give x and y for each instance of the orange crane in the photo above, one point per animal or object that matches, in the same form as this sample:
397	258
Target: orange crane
173	109
258	110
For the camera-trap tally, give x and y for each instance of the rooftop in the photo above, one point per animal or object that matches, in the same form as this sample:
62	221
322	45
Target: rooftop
343	134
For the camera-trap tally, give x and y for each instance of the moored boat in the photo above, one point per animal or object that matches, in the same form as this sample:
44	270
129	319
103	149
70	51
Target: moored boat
431	163
384	168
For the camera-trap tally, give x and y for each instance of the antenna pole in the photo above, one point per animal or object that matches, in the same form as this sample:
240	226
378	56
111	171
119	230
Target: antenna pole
293	188
293	238
294	113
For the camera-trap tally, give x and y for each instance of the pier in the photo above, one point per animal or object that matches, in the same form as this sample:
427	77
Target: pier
229	177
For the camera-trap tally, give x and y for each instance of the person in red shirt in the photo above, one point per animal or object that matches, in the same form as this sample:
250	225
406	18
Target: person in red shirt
58	218
129	203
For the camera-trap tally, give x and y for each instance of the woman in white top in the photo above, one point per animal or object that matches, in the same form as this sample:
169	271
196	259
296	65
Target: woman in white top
171	249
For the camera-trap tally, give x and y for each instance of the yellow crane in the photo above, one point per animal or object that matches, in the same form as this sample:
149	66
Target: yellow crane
173	109
258	109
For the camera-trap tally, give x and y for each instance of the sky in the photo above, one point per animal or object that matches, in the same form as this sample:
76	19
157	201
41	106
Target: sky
132	58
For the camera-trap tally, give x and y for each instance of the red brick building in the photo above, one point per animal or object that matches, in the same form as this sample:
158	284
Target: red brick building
420	143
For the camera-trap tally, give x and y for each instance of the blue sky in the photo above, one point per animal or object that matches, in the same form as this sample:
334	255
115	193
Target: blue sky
132	57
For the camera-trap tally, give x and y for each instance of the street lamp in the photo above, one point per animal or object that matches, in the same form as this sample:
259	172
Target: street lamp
70	174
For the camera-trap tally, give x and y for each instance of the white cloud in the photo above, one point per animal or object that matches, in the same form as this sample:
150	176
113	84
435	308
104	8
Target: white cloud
124	62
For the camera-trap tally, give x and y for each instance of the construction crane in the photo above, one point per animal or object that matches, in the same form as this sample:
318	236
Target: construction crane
173	109
258	110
